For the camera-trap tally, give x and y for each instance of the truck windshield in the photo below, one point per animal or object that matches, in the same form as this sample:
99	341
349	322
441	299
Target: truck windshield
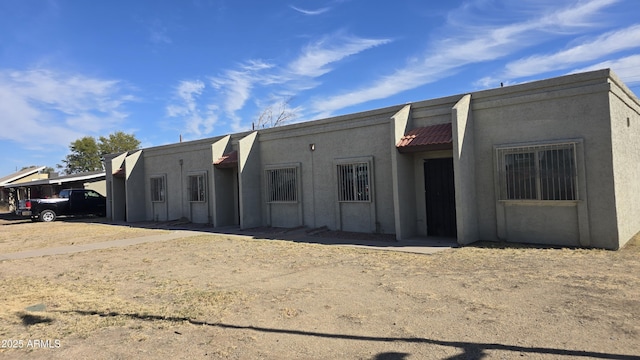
64	194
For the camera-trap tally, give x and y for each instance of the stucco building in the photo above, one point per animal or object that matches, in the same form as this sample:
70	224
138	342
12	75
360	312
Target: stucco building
552	162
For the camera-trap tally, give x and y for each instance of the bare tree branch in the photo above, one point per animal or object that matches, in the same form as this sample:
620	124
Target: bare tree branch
284	114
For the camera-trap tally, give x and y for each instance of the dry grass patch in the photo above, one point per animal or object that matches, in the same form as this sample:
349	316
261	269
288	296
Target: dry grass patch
23	236
88	303
224	296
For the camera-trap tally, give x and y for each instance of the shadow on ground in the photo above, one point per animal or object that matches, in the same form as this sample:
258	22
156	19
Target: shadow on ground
307	235
28	319
469	350
9	218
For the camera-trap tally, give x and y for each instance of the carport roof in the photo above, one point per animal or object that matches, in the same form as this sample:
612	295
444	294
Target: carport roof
20	174
93	175
433	137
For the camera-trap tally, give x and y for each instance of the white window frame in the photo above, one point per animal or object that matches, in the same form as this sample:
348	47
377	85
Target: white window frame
282	194
561	186
356	189
201	183
162	192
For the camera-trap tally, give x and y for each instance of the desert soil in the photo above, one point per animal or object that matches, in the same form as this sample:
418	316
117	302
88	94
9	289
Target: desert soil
217	296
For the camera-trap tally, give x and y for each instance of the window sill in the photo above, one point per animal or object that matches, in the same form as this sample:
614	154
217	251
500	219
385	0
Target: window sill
539	202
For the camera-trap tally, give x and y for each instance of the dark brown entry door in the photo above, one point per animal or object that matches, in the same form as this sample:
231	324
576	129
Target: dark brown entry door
440	197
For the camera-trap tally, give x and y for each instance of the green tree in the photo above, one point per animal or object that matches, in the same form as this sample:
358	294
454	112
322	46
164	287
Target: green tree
118	142
87	154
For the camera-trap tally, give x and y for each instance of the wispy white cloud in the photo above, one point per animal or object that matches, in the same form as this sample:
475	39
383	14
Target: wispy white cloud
471	44
196	120
627	68
317	56
186	92
311	12
57	108
234	88
603	45
158	33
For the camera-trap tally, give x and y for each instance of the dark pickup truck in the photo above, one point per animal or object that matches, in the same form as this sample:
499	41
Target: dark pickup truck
68	202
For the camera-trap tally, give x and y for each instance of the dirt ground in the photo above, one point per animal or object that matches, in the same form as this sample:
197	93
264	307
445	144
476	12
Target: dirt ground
229	297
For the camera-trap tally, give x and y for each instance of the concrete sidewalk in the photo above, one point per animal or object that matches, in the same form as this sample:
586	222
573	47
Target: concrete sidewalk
420	246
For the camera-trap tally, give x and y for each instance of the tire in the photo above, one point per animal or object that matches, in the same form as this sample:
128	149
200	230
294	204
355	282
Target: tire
47	216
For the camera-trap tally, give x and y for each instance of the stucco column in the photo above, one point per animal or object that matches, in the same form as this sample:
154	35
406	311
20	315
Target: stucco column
464	171
116	199
135	187
249	176
401	174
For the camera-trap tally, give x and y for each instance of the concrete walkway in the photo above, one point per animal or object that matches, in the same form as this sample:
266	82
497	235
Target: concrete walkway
420	246
70	249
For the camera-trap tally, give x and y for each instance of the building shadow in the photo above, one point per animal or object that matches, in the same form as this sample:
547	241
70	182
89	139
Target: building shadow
391	356
321	236
28	319
469	350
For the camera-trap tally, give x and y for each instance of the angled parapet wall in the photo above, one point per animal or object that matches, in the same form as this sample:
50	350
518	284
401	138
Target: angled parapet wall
464	171
249	176
116	194
402	177
135	186
223	184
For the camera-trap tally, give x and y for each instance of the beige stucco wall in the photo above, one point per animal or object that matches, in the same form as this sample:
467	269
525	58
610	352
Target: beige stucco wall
625	137
588	109
573	107
176	162
355	137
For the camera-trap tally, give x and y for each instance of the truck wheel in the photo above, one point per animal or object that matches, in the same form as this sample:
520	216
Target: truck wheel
47	216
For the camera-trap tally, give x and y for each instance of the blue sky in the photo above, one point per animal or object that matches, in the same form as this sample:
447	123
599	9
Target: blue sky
200	68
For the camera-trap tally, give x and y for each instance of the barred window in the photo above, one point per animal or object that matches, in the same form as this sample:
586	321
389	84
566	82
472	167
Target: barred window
282	185
197	188
353	182
541	172
157	189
